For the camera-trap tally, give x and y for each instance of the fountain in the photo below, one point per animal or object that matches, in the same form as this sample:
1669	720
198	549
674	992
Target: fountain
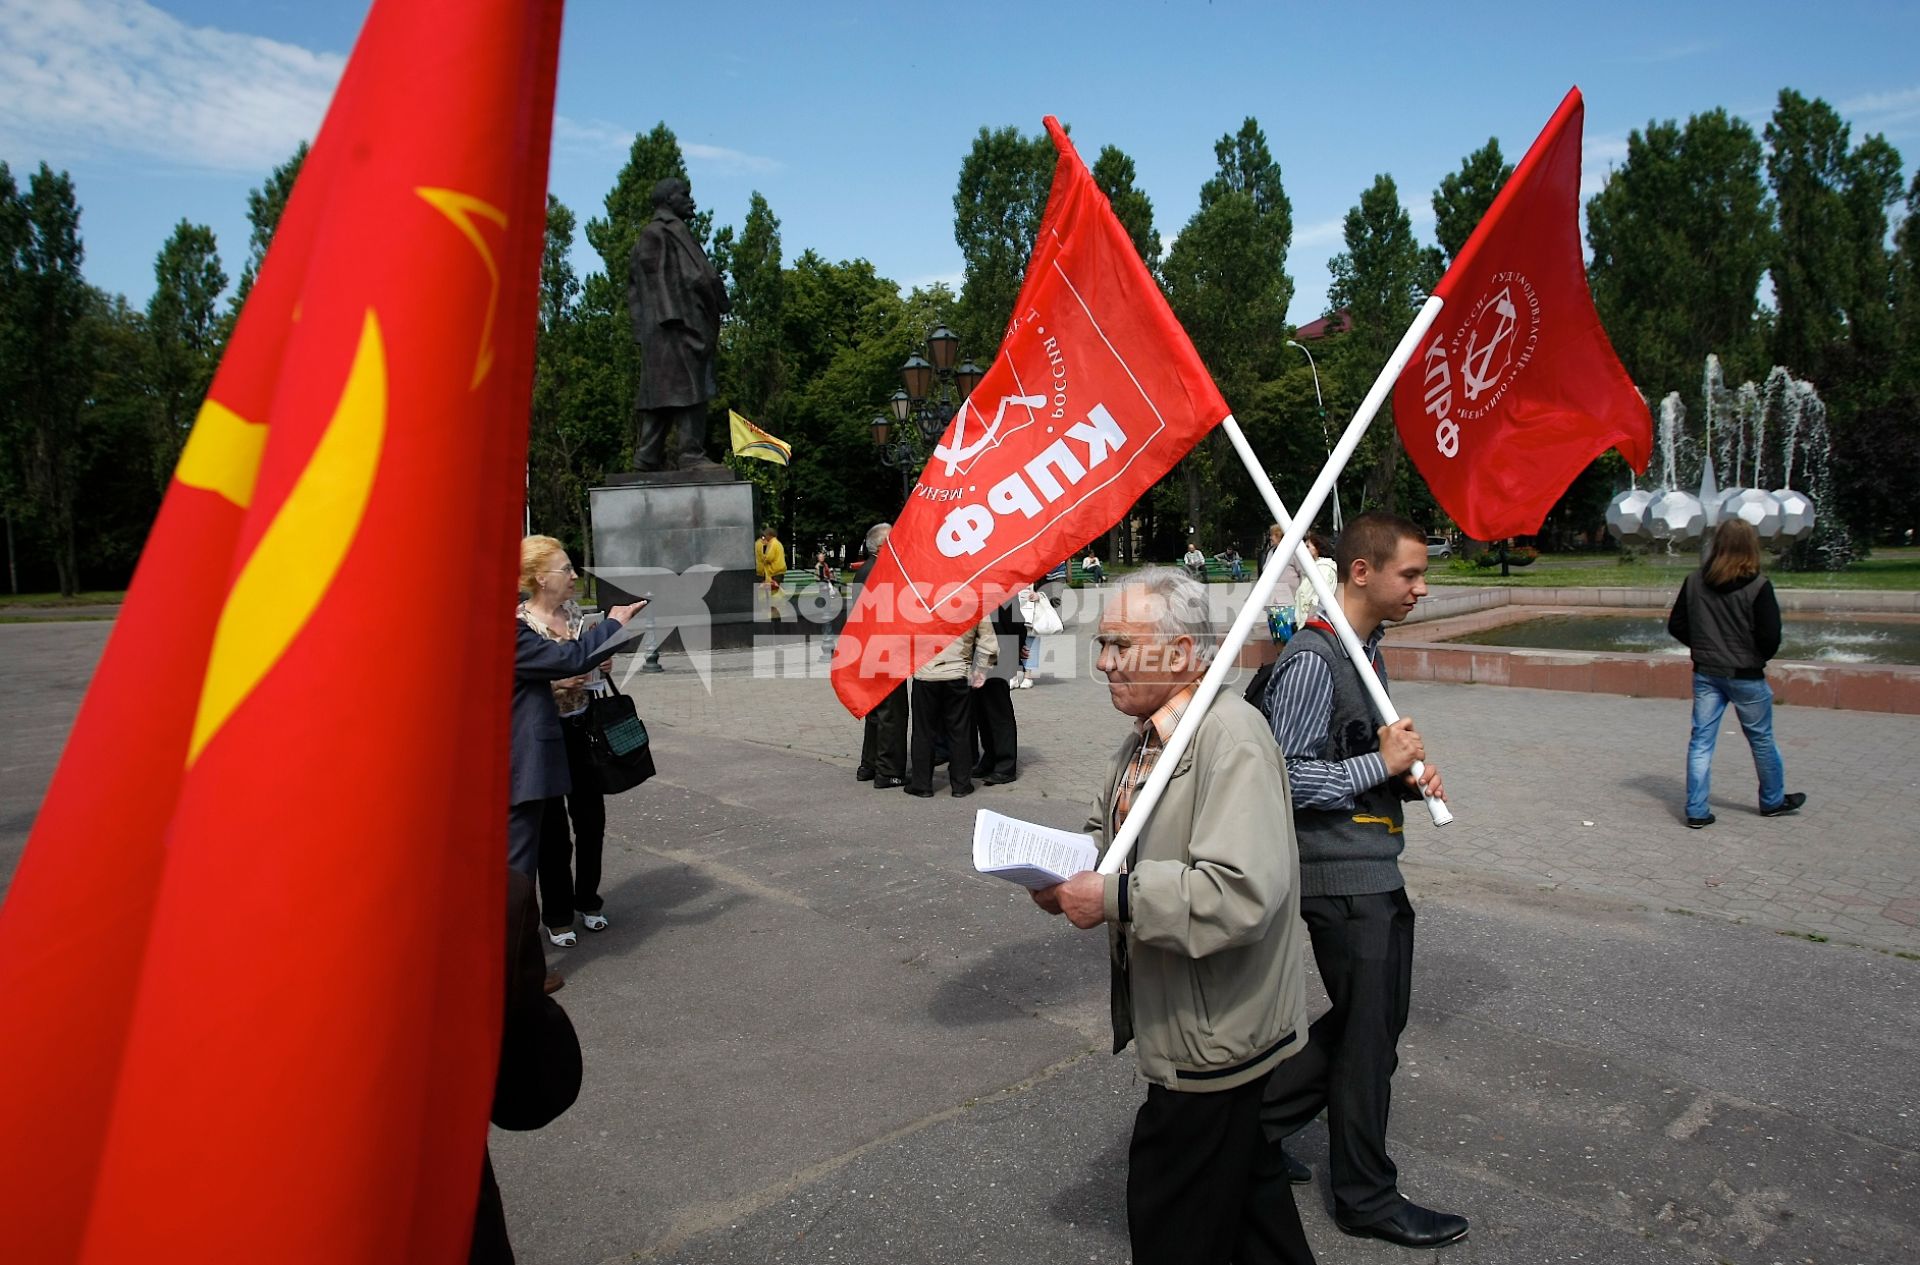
1787	518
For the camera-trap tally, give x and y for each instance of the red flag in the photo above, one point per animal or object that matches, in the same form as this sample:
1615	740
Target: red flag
1516	388
1095	393
208	1037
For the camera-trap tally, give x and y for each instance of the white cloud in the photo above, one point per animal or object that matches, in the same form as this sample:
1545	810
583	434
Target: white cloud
1598	159
1321	233
121	78
1676	52
952	279
596	136
1877	109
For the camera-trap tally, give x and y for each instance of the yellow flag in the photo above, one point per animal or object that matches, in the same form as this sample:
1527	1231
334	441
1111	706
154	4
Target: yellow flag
750	441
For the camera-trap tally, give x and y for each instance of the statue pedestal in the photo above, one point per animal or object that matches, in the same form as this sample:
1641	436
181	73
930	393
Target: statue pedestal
685	539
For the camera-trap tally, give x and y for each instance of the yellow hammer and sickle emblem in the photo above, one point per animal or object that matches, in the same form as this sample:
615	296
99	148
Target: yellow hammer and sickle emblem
461	208
302	550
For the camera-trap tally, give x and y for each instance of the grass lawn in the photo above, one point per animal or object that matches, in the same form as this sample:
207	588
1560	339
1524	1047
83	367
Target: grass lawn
1887	569
29	601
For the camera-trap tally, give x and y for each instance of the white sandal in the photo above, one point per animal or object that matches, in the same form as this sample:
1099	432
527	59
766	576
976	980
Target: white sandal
563	938
595	922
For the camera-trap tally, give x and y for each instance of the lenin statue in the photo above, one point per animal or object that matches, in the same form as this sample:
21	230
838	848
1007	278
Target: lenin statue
676	299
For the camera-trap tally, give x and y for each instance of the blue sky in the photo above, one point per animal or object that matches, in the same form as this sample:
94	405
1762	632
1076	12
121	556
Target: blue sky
852	119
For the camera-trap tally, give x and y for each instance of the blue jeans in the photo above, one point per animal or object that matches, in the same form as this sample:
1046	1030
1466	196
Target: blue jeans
1753	704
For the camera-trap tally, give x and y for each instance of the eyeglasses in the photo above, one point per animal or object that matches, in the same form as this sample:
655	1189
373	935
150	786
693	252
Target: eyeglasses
566	570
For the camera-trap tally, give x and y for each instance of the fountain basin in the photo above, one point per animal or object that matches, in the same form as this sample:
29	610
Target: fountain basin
1440	651
1426	648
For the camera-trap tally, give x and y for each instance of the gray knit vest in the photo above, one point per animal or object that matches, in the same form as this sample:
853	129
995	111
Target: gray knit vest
1348	852
1721	627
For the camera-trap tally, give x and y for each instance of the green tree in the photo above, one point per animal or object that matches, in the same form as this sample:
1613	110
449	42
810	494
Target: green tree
752	346
114	438
1906	293
752	356
578	429
265	206
1464	196
52	381
183	320
1114	174
13	246
654	156
1381	278
846	331
996	214
1226	276
1832	282
1829	263
1681	235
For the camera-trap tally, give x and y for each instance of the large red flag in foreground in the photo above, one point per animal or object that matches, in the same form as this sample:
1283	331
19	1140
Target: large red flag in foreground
1517	388
251	963
1096	393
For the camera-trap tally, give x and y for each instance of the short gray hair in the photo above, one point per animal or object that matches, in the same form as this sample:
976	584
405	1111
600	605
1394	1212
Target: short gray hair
877	536
1183	604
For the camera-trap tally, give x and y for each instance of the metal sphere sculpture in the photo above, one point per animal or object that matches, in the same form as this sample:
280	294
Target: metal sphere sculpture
1677	517
1627	516
1757	507
1796	515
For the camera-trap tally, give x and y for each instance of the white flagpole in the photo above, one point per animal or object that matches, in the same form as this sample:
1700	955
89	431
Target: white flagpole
1236	637
1330	607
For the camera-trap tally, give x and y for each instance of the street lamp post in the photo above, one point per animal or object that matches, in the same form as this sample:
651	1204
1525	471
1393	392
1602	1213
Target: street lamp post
933	387
1325	436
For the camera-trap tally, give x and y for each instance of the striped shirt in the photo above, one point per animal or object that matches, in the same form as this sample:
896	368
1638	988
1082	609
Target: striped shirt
1154	732
1300	709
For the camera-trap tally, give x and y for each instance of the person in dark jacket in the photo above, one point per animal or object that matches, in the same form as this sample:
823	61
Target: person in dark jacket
539	749
883	744
996	729
540	1067
1727	615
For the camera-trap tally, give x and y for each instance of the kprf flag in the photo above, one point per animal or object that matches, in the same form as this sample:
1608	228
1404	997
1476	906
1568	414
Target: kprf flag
1516	388
1095	393
750	441
251	962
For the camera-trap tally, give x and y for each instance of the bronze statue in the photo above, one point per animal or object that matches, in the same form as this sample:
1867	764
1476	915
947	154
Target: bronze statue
676	299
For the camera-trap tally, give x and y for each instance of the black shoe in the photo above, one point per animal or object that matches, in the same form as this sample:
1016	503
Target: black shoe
917	793
1297	1171
888	783
997	781
863	774
961	792
980	770
1410	1225
1700	823
1788	804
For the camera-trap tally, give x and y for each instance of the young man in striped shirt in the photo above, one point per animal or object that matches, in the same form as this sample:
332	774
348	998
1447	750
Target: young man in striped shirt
1348	775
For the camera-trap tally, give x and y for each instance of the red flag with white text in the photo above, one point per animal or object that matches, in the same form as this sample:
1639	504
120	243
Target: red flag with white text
212	1046
1516	388
1094	395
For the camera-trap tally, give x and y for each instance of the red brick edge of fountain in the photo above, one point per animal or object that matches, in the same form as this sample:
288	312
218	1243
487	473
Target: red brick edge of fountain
1420	651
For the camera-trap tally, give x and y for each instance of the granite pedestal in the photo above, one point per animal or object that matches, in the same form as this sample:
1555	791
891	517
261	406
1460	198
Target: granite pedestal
684	539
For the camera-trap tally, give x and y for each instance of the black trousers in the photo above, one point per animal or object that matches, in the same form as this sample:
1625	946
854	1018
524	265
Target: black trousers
1363	946
943	708
998	733
883	748
1205	1186
570	867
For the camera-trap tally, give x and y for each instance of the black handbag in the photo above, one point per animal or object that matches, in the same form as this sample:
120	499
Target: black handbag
617	739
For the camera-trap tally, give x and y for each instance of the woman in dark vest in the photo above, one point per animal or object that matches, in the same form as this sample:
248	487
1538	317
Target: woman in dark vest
1726	614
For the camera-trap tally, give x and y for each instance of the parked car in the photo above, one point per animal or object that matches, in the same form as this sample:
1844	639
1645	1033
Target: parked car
1439	547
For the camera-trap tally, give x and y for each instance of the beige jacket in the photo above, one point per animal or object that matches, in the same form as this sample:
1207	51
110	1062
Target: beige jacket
1209	970
974	650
